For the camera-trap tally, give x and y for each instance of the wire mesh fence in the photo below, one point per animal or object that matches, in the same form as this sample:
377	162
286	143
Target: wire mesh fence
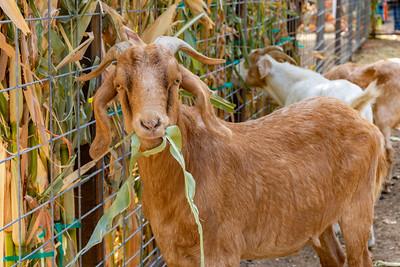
51	193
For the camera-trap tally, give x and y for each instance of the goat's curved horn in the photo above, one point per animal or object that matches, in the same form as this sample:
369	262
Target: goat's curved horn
111	55
175	44
280	55
271	48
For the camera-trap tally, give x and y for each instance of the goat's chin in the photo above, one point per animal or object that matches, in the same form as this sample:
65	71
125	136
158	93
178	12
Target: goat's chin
150	140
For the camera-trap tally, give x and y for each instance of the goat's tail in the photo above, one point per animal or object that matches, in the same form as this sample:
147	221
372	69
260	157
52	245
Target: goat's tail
367	97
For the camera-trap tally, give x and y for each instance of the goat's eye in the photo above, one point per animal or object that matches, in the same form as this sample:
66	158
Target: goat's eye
177	81
118	87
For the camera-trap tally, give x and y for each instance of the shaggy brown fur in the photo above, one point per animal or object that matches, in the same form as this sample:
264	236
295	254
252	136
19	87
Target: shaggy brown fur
387	107
265	188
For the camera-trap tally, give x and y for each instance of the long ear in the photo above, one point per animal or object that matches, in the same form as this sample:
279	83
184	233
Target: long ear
200	90
367	72
105	93
264	66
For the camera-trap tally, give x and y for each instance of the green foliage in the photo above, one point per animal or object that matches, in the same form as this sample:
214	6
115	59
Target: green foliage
123	196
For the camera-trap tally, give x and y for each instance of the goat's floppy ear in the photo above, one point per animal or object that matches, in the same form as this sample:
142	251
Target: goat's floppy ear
200	90
367	72
363	75
105	93
264	67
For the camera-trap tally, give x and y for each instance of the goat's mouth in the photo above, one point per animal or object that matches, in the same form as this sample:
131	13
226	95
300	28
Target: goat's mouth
151	135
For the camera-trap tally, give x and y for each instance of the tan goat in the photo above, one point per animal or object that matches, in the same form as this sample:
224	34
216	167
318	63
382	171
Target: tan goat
265	188
387	106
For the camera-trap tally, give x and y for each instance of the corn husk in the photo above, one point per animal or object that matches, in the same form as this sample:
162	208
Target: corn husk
12	11
161	26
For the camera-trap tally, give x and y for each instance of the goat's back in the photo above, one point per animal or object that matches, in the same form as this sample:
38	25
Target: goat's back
340	89
386	72
287	176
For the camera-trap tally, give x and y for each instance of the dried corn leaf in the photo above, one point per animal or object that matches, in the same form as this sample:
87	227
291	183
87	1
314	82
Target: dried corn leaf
161	25
319	55
3	65
8	49
11	9
17	207
32	99
77	53
72	178
16	99
190	23
117	20
41	177
197	7
84	21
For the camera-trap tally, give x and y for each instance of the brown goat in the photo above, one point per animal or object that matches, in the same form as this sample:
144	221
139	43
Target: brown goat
265	188
387	108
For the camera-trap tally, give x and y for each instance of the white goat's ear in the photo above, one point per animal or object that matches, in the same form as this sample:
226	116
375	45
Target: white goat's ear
264	67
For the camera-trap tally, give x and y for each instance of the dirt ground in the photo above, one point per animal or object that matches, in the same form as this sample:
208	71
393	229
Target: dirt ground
387	212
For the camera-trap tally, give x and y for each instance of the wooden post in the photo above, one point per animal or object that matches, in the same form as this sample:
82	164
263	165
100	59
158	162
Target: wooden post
92	190
320	44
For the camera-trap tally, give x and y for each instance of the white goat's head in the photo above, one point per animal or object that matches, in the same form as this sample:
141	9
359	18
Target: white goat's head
260	63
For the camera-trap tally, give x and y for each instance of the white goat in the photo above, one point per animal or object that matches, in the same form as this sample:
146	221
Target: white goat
288	84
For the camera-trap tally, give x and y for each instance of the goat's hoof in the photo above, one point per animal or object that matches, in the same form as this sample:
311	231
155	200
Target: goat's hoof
386	189
371	244
396	177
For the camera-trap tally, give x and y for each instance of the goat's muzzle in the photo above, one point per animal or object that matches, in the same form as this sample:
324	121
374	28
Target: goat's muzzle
150	124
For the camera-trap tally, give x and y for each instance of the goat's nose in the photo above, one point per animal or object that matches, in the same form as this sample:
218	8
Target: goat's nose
150	124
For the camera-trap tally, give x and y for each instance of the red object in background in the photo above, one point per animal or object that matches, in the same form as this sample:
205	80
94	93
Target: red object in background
385	11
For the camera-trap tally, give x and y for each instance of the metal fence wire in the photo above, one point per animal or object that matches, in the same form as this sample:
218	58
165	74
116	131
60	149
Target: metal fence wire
51	193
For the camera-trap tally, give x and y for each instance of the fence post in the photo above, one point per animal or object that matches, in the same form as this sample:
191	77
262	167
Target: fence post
242	11
367	18
91	192
320	44
371	15
350	26
338	27
358	24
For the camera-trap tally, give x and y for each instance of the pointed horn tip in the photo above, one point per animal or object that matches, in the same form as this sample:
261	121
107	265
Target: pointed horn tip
217	61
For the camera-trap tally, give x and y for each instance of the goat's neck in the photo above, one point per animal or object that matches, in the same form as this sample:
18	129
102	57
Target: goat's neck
283	77
163	182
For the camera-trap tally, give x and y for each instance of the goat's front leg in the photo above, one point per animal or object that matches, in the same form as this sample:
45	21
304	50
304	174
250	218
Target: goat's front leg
330	252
